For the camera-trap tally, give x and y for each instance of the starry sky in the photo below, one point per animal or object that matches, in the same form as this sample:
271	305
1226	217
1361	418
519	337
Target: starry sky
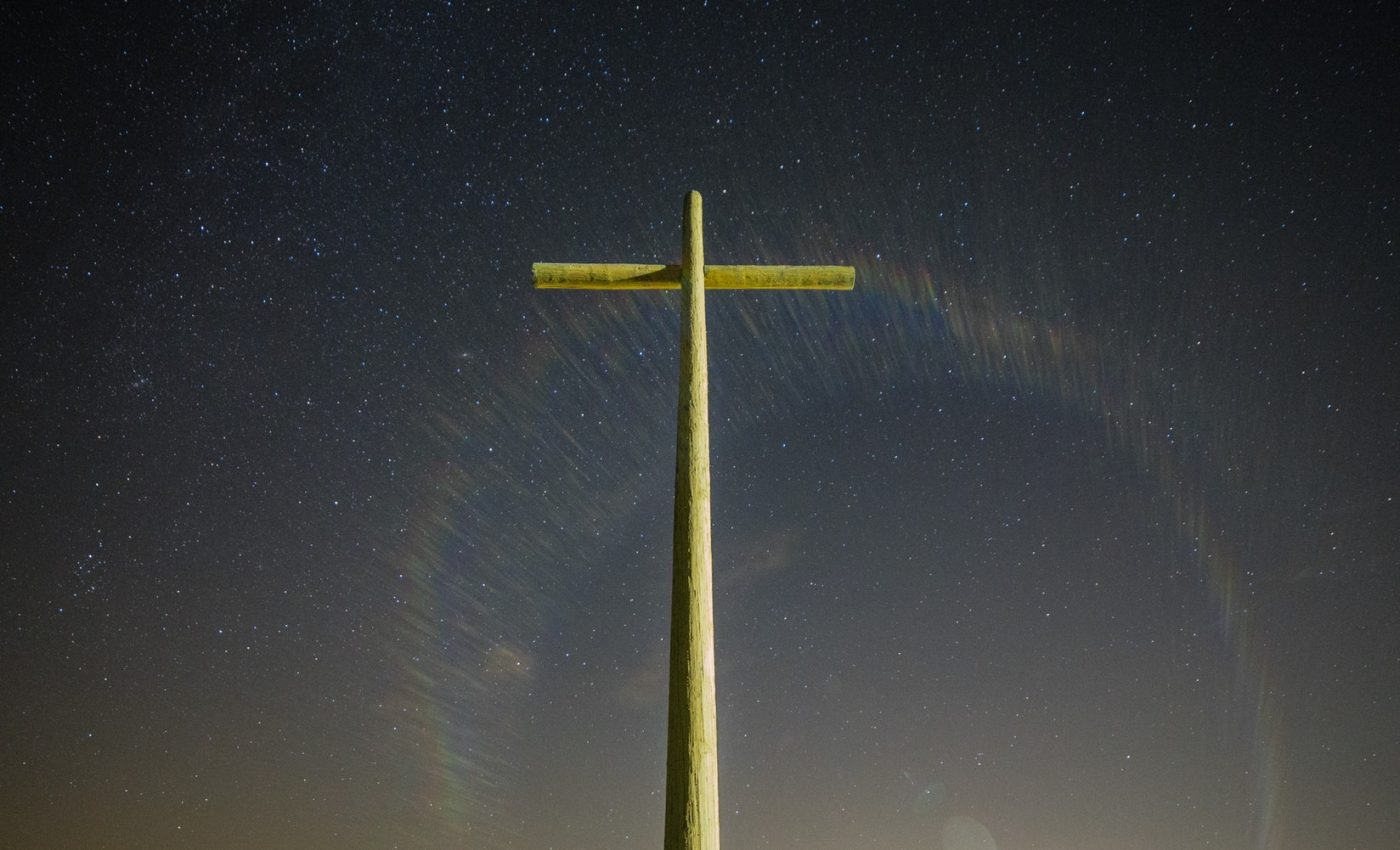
1073	527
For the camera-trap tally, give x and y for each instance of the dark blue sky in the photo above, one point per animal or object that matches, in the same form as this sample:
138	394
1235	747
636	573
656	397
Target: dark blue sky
1073	526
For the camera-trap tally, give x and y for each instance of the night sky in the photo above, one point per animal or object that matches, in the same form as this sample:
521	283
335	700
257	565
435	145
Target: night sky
1076	526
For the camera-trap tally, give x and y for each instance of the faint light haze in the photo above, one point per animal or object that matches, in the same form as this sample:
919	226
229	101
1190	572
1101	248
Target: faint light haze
1073	527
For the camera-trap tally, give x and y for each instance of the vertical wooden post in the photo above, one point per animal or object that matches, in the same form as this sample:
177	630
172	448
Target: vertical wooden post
692	765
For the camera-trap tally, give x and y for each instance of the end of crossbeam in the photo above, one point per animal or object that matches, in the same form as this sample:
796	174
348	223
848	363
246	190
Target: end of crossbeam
606	276
837	278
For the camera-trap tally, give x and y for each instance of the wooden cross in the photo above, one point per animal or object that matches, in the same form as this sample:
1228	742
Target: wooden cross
692	768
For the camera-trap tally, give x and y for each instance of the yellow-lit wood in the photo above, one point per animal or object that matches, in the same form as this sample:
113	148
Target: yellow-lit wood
692	765
653	276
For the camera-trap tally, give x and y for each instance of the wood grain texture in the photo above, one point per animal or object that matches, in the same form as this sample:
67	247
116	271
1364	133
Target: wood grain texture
652	276
692	766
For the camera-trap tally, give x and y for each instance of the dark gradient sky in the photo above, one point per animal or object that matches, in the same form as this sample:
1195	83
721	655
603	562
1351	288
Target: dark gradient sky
1074	527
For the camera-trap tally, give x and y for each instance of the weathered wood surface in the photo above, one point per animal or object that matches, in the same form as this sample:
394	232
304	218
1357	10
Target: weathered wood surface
692	764
652	276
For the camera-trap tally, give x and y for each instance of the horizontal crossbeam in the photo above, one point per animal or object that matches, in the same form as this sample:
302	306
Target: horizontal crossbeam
650	276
